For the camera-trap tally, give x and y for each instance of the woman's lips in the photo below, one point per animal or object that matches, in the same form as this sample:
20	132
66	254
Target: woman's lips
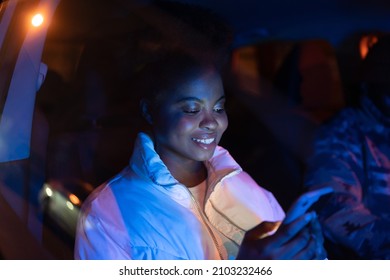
206	141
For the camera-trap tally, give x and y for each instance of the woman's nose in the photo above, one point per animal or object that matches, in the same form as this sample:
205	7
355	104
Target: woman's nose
208	122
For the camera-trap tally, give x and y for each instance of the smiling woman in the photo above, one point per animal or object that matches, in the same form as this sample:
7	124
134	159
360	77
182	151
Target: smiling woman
183	196
188	117
79	129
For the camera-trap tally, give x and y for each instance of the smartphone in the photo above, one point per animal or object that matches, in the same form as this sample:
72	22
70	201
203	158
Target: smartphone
304	202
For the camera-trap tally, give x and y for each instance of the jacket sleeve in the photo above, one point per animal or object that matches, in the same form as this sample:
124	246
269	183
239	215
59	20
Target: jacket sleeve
98	238
95	242
337	161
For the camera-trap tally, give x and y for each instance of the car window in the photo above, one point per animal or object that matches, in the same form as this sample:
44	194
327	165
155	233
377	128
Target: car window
20	71
61	140
21	74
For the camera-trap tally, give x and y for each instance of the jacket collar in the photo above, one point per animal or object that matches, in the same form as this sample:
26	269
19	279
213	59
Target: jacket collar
146	161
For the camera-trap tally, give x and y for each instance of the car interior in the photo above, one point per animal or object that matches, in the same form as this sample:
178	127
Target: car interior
279	91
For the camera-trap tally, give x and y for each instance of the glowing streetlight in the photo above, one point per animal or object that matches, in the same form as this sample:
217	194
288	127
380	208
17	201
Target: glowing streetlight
69	205
48	190
74	199
37	20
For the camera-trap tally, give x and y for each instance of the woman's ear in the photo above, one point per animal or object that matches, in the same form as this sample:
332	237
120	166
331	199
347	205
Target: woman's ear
145	110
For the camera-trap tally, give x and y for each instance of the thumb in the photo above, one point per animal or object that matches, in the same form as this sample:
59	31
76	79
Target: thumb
262	230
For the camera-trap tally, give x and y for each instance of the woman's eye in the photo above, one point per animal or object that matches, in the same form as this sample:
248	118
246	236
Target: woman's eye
219	110
191	111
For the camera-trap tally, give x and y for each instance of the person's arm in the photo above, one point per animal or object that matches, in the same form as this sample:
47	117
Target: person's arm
346	219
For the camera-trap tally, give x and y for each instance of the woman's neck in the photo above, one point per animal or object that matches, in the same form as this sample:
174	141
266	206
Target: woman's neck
189	174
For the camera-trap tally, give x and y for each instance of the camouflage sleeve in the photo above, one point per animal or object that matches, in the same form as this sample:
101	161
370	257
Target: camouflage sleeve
337	161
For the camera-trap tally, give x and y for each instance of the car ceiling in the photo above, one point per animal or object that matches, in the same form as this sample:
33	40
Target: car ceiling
261	20
300	19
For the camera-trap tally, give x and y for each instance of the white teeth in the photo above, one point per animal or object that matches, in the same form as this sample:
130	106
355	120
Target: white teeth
204	141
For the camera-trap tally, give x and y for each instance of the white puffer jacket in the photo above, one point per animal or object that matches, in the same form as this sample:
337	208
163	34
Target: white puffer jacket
145	213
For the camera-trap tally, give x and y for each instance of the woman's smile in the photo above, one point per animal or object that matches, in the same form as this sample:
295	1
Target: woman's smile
205	142
191	120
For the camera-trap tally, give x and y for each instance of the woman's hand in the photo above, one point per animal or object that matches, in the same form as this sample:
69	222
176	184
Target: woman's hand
298	237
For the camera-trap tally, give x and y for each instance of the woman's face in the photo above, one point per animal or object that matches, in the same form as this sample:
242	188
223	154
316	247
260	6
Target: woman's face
189	122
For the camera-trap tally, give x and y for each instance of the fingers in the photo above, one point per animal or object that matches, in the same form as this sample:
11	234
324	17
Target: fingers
314	250
308	252
315	247
296	240
317	230
300	239
321	253
317	233
301	246
289	231
255	246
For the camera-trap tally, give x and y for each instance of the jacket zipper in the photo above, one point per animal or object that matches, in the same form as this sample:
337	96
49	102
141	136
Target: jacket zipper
229	220
205	222
226	217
